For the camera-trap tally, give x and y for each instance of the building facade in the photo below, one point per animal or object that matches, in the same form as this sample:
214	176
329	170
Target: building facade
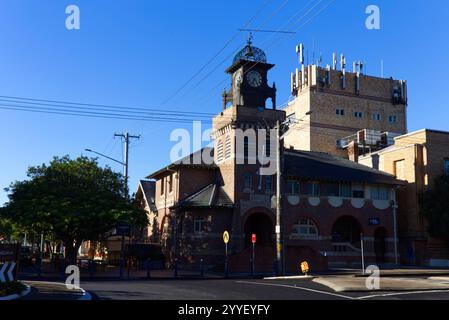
329	204
335	106
418	158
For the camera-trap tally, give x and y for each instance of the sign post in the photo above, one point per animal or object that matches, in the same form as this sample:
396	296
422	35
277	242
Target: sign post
253	260
363	253
226	241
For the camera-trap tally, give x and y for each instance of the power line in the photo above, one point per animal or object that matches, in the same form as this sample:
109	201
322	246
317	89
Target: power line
215	55
60	103
269	46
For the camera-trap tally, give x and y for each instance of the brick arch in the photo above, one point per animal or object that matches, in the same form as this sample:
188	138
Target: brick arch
350	217
255	210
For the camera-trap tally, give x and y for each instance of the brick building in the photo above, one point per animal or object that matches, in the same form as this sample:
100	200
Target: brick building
418	158
328	202
337	106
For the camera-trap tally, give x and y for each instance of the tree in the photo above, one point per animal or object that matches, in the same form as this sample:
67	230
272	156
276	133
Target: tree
434	205
72	201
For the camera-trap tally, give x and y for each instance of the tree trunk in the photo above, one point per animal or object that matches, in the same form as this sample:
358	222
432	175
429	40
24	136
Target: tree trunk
71	251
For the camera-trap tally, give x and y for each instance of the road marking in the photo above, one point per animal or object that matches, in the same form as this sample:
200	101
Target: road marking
401	294
299	288
84	295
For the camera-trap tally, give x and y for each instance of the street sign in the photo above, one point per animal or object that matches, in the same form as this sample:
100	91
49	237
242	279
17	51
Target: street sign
226	237
7	272
305	267
253	238
9	252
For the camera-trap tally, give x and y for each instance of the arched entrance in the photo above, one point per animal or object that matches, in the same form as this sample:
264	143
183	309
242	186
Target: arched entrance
347	230
380	244
261	225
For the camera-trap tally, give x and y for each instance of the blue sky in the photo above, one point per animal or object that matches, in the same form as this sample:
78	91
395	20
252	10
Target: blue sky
138	53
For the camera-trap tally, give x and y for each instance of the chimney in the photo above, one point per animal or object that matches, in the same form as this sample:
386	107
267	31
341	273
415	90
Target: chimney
353	151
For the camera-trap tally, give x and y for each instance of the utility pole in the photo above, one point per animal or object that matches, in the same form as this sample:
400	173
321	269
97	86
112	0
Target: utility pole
278	199
126	136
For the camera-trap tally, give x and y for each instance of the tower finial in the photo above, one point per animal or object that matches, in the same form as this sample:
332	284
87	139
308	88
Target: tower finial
250	39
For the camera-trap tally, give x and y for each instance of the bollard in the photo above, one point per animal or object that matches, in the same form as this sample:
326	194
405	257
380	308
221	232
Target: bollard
148	265
201	268
176	268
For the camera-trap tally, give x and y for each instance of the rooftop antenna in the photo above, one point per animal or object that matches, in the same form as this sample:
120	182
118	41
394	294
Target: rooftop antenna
334	61
300	52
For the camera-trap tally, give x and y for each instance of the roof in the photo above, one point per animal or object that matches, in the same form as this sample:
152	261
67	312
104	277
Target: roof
212	195
195	159
149	190
327	167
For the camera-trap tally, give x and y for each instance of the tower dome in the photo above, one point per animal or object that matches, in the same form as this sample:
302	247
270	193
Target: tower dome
250	53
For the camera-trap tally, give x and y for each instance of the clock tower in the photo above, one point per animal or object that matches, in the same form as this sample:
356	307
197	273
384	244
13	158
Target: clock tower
249	79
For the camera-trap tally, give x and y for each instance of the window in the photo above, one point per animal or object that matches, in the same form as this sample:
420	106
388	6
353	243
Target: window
198	225
345	190
248	181
228	147
162	185
220	151
310	189
246	148
293	187
379	193
330	190
446	167
268	145
269	183
170	183
393	119
377	117
358	191
358	114
340	112
306	228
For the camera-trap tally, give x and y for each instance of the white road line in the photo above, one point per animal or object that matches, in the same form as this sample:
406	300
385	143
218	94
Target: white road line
299	288
401	294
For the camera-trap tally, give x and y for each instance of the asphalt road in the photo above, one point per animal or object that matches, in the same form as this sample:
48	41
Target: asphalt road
248	290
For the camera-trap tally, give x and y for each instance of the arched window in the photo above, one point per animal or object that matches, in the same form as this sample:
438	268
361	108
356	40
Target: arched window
228	147
220	151
306	228
248	181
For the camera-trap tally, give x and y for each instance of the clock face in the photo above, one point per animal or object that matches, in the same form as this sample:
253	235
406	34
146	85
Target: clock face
254	79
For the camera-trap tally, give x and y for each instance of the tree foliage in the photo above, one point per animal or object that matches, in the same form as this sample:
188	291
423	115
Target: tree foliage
434	205
71	200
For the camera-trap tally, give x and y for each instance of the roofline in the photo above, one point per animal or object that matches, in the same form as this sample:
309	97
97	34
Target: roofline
172	167
421	131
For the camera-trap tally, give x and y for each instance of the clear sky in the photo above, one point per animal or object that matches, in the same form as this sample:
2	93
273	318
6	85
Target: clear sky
138	53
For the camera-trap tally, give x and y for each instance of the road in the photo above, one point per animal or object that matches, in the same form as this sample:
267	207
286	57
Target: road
247	290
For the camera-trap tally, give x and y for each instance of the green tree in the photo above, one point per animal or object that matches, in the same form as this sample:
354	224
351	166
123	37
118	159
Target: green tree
434	206
72	201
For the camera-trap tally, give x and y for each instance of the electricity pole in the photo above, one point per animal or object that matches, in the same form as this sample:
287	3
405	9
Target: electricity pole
278	199
126	136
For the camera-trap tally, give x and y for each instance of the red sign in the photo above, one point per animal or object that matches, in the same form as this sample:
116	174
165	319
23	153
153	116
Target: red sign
253	238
